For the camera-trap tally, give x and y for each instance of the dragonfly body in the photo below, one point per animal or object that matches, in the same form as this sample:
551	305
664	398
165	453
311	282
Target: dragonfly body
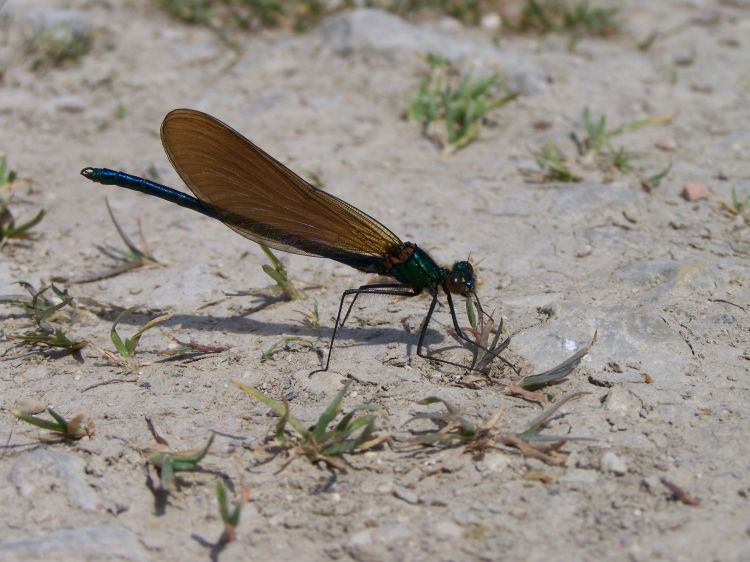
407	263
237	183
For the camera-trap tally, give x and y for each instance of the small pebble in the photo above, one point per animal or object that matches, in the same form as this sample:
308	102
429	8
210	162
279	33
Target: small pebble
494	462
491	21
408	496
667	145
694	191
447	529
612	463
31	406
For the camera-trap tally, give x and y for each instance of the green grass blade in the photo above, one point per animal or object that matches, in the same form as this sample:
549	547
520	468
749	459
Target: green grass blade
330	413
276	407
38	422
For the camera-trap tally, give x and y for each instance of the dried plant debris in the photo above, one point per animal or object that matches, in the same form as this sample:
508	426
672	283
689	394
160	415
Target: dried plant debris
77	427
191	348
323	443
679	494
456	429
559	373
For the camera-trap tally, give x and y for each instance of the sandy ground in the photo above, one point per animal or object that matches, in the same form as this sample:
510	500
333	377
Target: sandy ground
663	280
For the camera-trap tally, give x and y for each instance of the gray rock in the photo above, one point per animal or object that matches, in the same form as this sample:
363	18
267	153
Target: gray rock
652	484
409	496
67	104
383	534
44	471
328	382
388	534
38	373
197	53
583	198
373	31
494	462
360	539
31	406
628	335
621	401
72	19
610	462
665	277
446	529
104	542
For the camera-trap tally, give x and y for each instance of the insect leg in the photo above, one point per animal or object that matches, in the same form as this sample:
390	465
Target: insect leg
377	289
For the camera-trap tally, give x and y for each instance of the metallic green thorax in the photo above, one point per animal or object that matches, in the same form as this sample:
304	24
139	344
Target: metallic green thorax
419	271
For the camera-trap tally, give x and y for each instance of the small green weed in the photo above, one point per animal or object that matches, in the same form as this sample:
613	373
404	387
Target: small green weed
75	428
483	328
738	206
319	443
49	317
577	19
451	107
8	227
659	35
120	111
284	287
596	151
311	317
300	15
190	11
126	348
170	463
554	164
476	437
230	516
468	12
652	182
58	44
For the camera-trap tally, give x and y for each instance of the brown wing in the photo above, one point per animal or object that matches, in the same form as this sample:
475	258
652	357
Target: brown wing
263	200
